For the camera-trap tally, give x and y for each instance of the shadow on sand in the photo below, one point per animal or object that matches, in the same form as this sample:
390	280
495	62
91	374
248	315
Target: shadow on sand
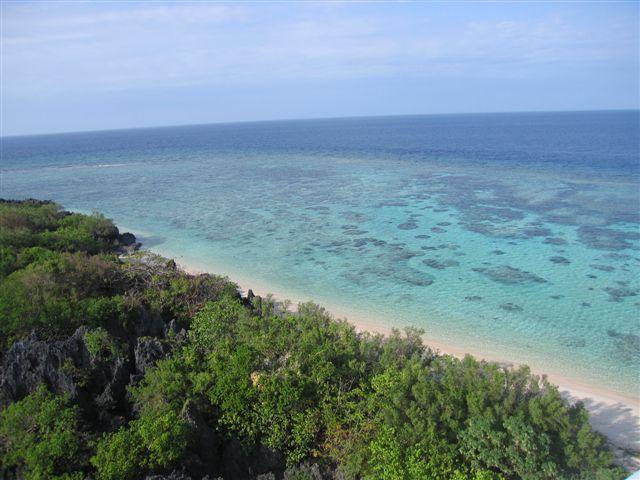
619	423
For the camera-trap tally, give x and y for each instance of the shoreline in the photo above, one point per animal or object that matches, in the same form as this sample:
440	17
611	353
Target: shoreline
615	415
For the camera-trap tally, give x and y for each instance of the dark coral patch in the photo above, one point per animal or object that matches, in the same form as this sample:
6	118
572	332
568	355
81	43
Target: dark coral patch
536	232
603	268
511	307
448	246
617	256
408	225
473	298
606	238
392	204
319	208
619	294
414	278
440	264
351	216
508	275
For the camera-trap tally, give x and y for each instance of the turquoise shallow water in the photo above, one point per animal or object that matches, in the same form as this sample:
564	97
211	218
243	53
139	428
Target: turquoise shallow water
515	235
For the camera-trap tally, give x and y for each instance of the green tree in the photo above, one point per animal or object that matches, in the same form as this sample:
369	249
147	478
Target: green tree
39	438
152	443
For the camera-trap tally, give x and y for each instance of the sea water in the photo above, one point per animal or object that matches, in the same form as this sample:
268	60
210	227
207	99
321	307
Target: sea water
512	235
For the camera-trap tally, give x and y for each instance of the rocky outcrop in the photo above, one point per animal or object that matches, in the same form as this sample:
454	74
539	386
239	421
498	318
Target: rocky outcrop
147	352
126	243
30	362
66	367
175	475
203	457
148	324
306	471
238	463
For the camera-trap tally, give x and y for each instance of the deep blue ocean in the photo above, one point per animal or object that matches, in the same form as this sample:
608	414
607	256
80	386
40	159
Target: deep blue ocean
511	235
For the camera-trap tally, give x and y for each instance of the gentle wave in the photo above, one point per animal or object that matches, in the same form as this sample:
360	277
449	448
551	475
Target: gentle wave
72	166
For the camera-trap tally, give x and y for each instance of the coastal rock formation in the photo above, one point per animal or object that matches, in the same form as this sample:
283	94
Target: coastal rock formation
66	367
126	243
175	475
147	352
30	362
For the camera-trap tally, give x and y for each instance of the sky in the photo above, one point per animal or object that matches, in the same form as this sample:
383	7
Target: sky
72	66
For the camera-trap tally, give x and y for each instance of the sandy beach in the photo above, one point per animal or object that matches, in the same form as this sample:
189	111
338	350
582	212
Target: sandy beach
614	415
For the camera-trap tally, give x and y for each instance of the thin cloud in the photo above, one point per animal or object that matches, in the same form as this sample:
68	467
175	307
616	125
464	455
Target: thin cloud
79	47
196	14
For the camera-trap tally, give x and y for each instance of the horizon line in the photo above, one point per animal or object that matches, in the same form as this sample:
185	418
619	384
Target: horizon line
302	119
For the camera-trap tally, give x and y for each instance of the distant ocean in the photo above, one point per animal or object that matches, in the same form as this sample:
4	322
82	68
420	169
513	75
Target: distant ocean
511	234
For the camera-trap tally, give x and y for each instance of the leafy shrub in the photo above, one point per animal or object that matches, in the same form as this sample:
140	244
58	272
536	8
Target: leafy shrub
152	443
8	261
165	385
382	408
28	299
112	313
45	224
50	293
92	234
100	344
35	255
39	438
22	222
180	296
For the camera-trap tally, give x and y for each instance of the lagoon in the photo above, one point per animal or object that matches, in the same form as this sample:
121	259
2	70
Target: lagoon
512	236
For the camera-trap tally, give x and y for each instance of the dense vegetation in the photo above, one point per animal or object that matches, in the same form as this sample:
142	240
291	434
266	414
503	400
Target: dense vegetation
136	368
